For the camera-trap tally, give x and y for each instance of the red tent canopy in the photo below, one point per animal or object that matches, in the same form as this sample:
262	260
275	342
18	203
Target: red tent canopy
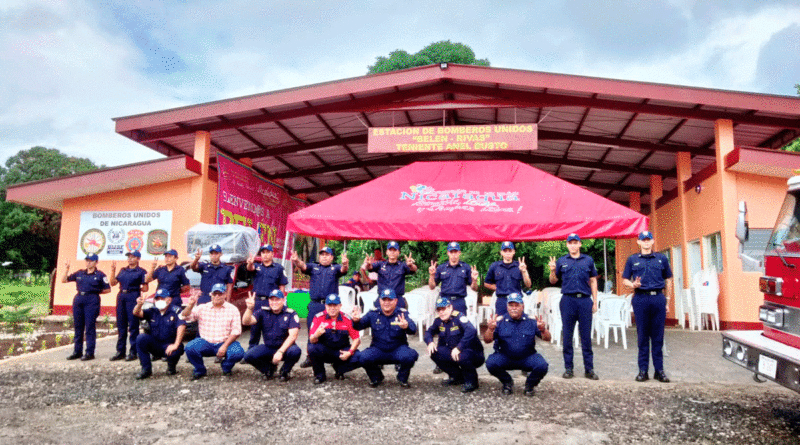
467	201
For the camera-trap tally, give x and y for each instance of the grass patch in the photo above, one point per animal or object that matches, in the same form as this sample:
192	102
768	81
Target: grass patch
37	296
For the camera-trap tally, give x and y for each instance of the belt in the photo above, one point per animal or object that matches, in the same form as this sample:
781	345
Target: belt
648	292
578	295
262	297
89	293
318	301
131	291
454	297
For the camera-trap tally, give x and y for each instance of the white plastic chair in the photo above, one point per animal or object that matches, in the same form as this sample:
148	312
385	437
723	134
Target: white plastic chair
485	313
530	302
348	296
472	306
706	293
611	318
416	310
556	324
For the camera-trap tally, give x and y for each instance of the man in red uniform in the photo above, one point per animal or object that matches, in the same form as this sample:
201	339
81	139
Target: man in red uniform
329	341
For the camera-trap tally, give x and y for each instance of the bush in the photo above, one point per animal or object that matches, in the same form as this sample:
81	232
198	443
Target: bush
16	311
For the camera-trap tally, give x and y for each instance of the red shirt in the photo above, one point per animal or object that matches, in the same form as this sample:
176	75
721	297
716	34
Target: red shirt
338	331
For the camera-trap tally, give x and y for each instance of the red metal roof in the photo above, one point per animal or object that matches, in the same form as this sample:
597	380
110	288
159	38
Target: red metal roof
603	134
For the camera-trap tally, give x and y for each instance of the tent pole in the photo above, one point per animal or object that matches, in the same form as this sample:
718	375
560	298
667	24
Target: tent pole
605	265
286	256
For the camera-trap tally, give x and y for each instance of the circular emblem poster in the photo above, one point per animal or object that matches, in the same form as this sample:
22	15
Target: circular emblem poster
92	241
157	242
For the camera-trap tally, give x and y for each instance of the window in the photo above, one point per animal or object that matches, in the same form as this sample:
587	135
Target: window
677	267
713	248
695	261
755	247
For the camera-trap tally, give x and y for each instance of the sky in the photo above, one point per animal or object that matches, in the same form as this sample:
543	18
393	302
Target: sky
67	67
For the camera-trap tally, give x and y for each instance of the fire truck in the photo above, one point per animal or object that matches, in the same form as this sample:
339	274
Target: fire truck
774	353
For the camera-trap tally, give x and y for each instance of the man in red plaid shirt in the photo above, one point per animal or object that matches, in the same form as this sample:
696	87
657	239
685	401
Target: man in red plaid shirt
219	326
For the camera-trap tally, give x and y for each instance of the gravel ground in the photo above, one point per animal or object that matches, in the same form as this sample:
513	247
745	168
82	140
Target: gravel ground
100	402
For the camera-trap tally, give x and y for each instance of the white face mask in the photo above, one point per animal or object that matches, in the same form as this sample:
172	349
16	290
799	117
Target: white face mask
161	304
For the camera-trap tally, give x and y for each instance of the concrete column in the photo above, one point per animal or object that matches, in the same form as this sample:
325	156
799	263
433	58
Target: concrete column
683	164
656	192
626	247
732	307
204	194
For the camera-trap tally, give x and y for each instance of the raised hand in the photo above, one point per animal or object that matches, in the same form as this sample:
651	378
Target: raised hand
540	324
637	283
140	300
522	266
475	273
250	260
193	299
356	313
198	254
345	260
251	301
320	331
113	268
294	257
66	265
492	324
409	260
154	265
402	322
552	264
432	269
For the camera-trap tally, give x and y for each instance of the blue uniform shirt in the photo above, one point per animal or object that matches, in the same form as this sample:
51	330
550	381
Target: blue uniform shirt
386	332
163	327
653	268
324	280
211	274
172	281
268	278
131	280
392	276
455	332
516	338
454	279
575	274
90	283
507	277
275	327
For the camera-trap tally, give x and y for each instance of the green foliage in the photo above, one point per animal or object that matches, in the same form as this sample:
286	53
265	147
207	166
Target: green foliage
28	236
16	310
437	52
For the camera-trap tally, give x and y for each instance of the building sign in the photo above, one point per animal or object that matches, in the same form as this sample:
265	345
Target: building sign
246	198
426	199
502	137
110	234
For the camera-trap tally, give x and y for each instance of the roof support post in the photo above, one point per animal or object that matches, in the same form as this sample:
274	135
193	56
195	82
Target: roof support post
744	307
656	192
204	194
683	165
626	247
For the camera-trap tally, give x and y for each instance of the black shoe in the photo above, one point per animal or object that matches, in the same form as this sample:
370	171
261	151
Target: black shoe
661	377
87	357
143	375
452	382
508	388
339	376
306	364
568	374
131	357
530	391
227	373
397	367
405	384
117	356
74	356
319	381
284	377
642	377
375	383
171	371
468	387
437	370
591	375
197	376
523	373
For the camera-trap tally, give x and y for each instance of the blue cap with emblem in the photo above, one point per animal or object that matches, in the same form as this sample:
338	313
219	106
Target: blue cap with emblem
573	237
161	293
442	302
388	293
393	245
219	287
645	235
215	248
333	299
507	245
172	252
453	246
91	257
276	293
265	247
515	297
327	250
134	253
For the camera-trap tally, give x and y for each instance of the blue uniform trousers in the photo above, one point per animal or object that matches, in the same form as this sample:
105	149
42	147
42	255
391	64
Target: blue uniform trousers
261	358
146	344
200	347
465	369
372	358
578	310
651	313
127	323
501	306
255	330
498	365
85	309
321	354
314	307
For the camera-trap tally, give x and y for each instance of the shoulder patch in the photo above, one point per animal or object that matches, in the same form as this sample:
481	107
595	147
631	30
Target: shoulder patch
296	318
499	318
320	313
290	310
455	313
347	316
402	309
463	319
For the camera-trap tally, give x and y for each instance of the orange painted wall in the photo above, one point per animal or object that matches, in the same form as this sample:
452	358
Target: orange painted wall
177	196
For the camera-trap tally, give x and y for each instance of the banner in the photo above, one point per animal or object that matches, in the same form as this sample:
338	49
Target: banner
110	234
501	137
246	198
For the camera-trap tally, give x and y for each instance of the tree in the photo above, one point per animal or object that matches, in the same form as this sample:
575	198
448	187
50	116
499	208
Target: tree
795	144
437	52
28	236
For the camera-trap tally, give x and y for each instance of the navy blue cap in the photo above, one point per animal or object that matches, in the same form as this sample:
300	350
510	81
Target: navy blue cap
506	245
388	293
393	245
442	302
515	297
645	235
265	247
276	293
91	257
327	250
172	252
219	287
135	253
215	248
162	293
453	246
573	237
333	299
